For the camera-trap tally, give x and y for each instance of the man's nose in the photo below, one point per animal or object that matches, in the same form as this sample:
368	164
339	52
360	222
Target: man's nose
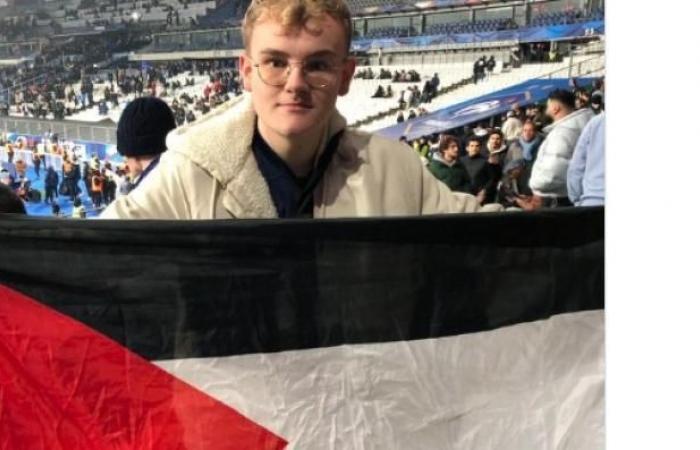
295	78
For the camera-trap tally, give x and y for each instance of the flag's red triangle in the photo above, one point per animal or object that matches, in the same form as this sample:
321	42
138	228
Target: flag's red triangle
65	386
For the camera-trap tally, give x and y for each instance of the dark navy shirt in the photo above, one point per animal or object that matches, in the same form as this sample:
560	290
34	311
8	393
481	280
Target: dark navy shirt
285	187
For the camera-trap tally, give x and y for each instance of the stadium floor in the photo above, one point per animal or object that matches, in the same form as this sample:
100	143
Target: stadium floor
43	209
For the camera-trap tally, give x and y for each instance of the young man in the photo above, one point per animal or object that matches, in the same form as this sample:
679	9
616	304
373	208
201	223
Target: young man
284	150
548	179
446	167
477	167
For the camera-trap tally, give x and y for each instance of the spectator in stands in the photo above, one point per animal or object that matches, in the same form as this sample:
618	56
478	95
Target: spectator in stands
548	179
526	146
141	132
97	187
109	190
36	160
10	149
514	184
491	64
427	94
582	99
511	127
263	156
50	185
21	168
496	147
71	178
597	104
411	114
477	167
10	203
422	147
379	93
585	178
400	118
436	83
446	167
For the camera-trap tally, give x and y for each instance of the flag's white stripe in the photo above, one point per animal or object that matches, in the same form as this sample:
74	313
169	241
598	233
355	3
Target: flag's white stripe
536	385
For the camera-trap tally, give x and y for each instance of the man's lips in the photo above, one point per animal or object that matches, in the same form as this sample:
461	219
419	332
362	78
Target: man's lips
295	105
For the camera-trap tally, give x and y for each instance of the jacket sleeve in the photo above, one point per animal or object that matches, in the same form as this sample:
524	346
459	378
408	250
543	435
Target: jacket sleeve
577	166
161	195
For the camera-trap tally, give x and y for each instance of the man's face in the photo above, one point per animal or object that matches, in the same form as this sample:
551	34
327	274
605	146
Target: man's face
474	148
553	109
451	152
495	141
295	109
528	132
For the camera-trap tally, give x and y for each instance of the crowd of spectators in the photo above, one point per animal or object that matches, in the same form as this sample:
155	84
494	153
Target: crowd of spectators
56	95
537	157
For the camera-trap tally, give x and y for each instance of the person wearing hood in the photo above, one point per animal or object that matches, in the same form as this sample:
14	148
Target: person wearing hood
597	104
446	167
548	179
514	183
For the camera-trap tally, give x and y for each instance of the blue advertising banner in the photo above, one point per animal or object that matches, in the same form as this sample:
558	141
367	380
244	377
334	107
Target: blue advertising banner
480	108
524	35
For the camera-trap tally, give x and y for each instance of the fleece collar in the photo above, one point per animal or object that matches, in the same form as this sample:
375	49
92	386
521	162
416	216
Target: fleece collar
221	145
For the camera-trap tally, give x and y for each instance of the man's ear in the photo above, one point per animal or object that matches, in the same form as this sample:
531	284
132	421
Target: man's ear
346	75
246	68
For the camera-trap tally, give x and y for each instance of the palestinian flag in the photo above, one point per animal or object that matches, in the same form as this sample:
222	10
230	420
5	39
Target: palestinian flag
446	332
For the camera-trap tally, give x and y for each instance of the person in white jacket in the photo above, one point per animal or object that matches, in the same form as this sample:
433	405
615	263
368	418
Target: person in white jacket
548	180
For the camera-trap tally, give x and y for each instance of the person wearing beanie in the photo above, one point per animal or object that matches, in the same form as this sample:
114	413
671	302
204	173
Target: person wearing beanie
141	132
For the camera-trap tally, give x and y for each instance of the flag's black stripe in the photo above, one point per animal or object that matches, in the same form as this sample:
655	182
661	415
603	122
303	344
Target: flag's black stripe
196	289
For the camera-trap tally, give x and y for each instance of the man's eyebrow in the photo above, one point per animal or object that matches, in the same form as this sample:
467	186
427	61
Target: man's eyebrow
273	52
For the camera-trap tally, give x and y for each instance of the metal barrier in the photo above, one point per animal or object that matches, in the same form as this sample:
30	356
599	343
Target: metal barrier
73	131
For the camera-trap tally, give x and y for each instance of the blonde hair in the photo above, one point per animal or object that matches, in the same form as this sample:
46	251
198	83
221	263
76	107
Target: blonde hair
297	14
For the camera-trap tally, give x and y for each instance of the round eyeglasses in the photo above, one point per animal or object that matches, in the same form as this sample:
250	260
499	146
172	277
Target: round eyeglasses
317	72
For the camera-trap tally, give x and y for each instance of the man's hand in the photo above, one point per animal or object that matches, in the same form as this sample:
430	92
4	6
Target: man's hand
529	203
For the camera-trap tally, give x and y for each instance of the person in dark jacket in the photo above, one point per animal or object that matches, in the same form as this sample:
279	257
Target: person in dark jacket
36	159
446	167
51	185
514	183
484	172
